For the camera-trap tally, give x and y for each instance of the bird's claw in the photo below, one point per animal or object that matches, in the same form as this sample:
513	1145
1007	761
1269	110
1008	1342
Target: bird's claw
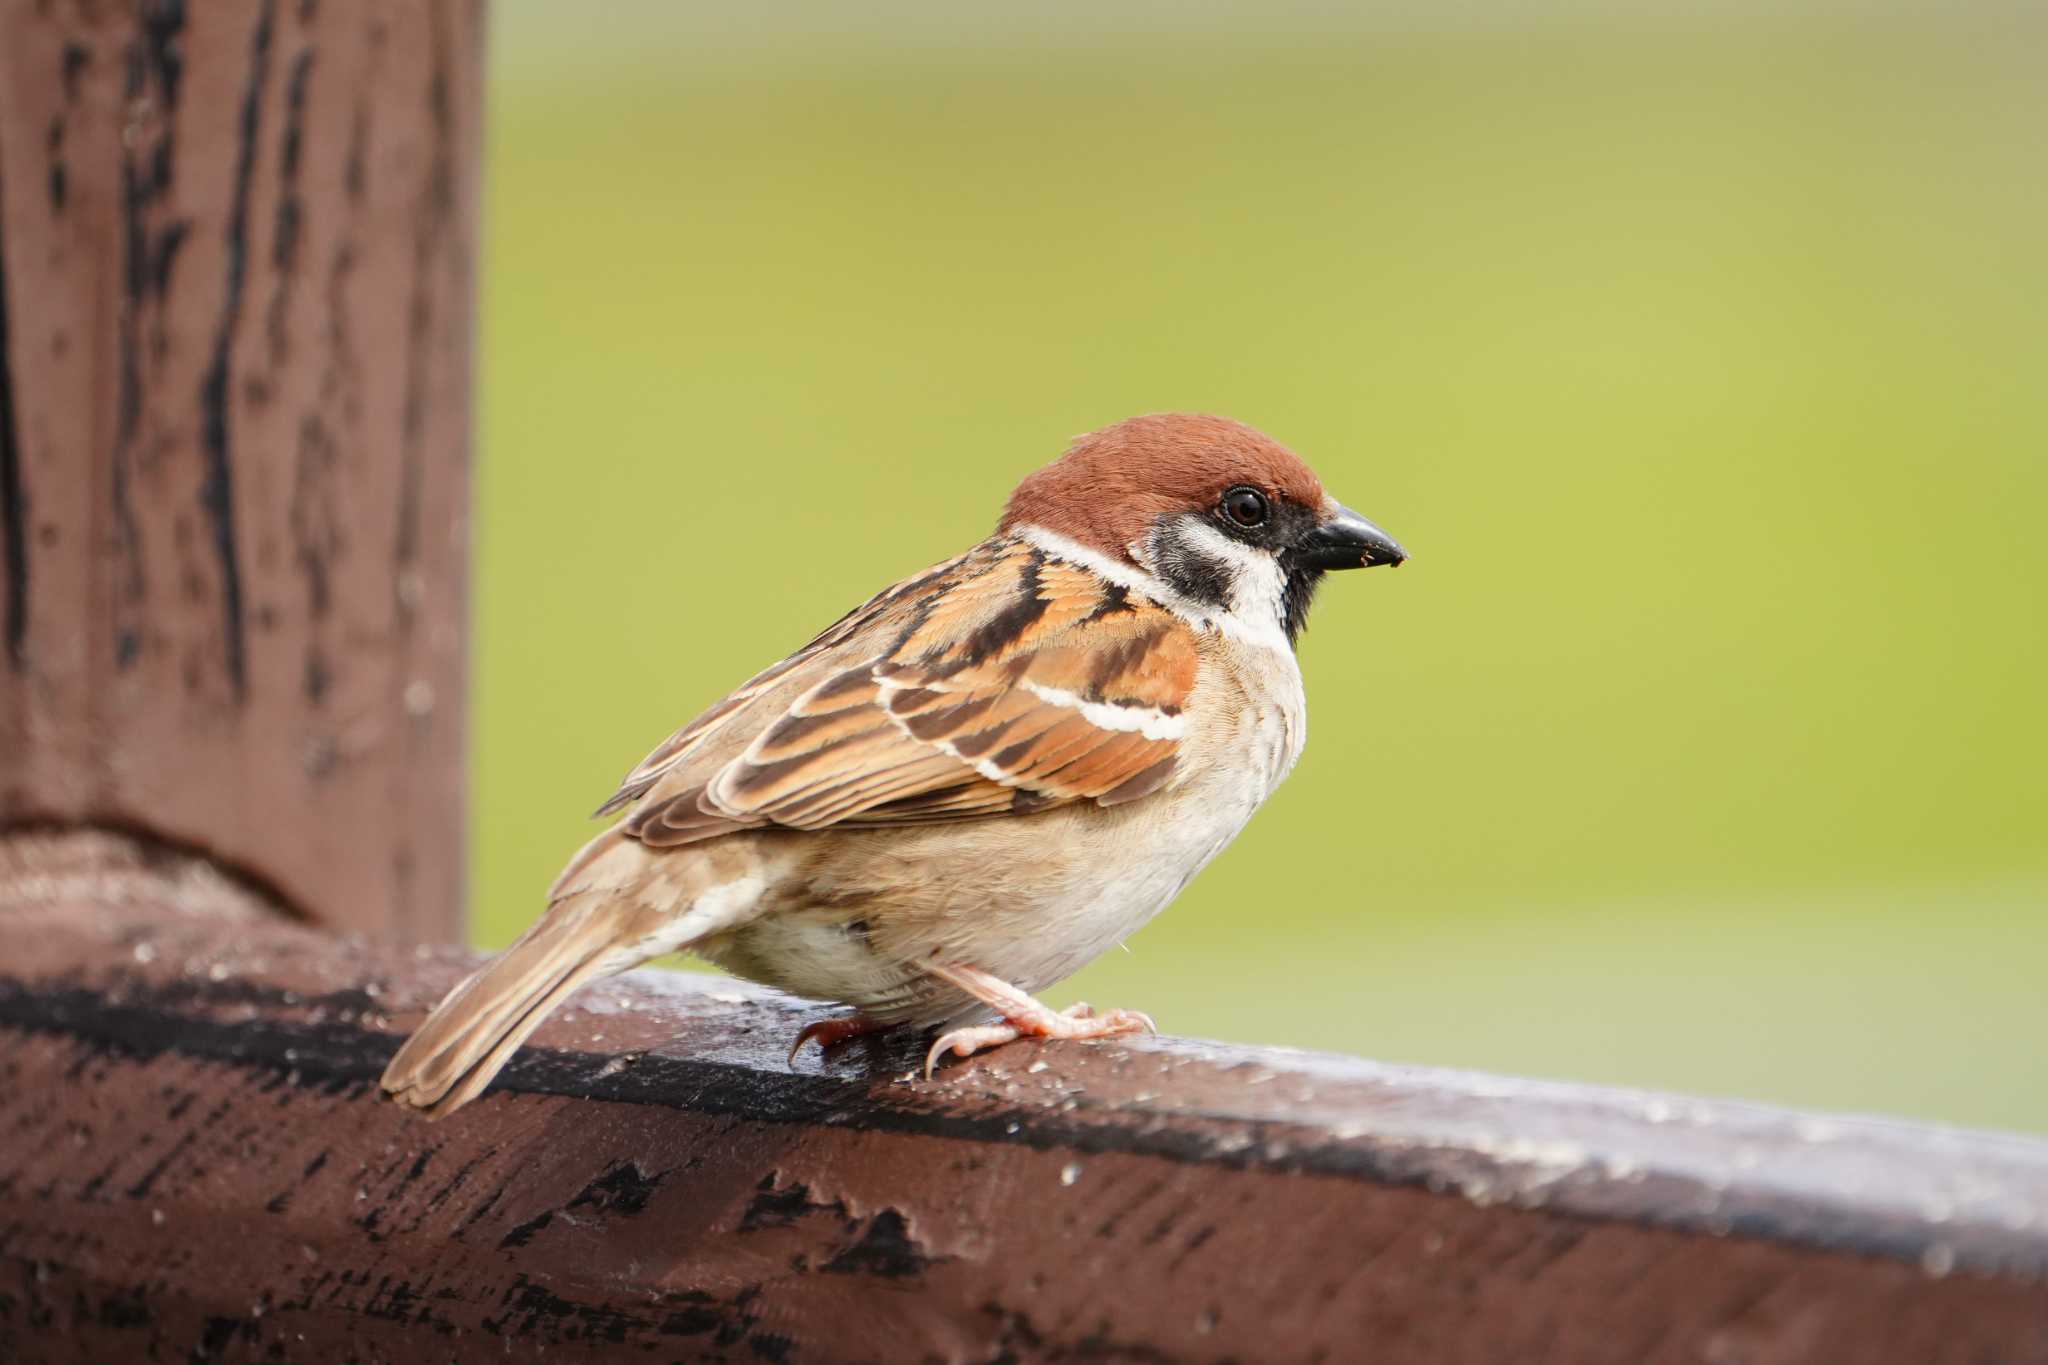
1077	1021
830	1033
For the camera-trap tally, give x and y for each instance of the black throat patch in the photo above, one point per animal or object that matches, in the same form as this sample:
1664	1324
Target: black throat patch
1195	572
1295	597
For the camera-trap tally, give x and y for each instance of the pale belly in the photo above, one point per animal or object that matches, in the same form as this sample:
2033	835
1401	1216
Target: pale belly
1030	899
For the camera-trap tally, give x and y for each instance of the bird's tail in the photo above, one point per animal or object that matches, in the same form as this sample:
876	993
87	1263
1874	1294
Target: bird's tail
617	904
475	1030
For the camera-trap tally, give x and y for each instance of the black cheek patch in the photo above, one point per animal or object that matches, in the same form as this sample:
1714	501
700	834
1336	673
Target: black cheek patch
1188	571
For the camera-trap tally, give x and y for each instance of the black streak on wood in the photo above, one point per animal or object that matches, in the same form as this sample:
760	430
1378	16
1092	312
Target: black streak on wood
287	225
438	203
13	496
886	1249
315	532
59	175
155	72
217	490
76	57
624	1188
316	540
163	25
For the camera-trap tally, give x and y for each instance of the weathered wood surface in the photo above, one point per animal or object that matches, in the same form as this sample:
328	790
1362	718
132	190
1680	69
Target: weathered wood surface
236	246
194	1165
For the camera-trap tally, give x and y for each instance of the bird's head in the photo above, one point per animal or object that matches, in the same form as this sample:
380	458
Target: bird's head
1224	516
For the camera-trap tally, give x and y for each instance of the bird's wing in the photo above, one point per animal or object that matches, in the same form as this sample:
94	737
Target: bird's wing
1002	682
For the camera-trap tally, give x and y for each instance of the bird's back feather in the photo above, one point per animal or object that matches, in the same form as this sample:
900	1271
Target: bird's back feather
1000	683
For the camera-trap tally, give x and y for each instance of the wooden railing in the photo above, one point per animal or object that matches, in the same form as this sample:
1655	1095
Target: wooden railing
196	1162
236	246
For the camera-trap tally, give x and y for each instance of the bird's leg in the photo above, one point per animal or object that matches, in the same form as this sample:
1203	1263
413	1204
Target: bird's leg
1023	1016
830	1033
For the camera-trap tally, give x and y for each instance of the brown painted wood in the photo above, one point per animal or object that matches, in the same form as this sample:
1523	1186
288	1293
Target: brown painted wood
194	1165
236	255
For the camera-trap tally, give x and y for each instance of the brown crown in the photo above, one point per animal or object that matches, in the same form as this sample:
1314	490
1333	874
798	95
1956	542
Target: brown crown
1112	485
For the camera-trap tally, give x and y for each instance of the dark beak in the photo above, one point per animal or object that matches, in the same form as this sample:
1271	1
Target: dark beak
1345	540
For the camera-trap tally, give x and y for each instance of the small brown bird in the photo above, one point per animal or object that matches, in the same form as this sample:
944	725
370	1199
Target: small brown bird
972	785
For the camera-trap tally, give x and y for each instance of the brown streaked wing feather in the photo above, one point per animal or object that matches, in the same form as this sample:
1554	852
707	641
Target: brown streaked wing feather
666	791
969	692
779	681
973	798
678	747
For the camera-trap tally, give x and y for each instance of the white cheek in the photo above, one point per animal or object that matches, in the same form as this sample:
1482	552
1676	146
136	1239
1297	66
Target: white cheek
1257	585
1256	590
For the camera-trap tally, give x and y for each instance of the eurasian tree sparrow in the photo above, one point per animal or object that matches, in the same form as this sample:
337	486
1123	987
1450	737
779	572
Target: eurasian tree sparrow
975	783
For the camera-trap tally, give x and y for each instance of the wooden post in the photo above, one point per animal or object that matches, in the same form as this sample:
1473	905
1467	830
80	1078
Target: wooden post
236	280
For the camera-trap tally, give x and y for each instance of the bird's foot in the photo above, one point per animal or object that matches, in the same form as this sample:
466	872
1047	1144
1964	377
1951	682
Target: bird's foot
830	1033
1023	1017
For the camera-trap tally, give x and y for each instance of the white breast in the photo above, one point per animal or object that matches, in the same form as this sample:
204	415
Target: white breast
1112	870
1030	899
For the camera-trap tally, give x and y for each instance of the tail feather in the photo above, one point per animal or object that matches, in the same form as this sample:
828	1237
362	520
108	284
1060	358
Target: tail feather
475	1030
617	904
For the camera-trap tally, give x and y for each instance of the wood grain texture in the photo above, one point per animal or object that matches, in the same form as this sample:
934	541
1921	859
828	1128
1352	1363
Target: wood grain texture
236	256
194	1165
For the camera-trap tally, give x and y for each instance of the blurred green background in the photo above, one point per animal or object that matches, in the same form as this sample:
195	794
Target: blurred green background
1701	359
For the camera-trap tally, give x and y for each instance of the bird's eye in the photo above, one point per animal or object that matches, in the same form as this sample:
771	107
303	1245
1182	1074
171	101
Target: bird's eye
1245	506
